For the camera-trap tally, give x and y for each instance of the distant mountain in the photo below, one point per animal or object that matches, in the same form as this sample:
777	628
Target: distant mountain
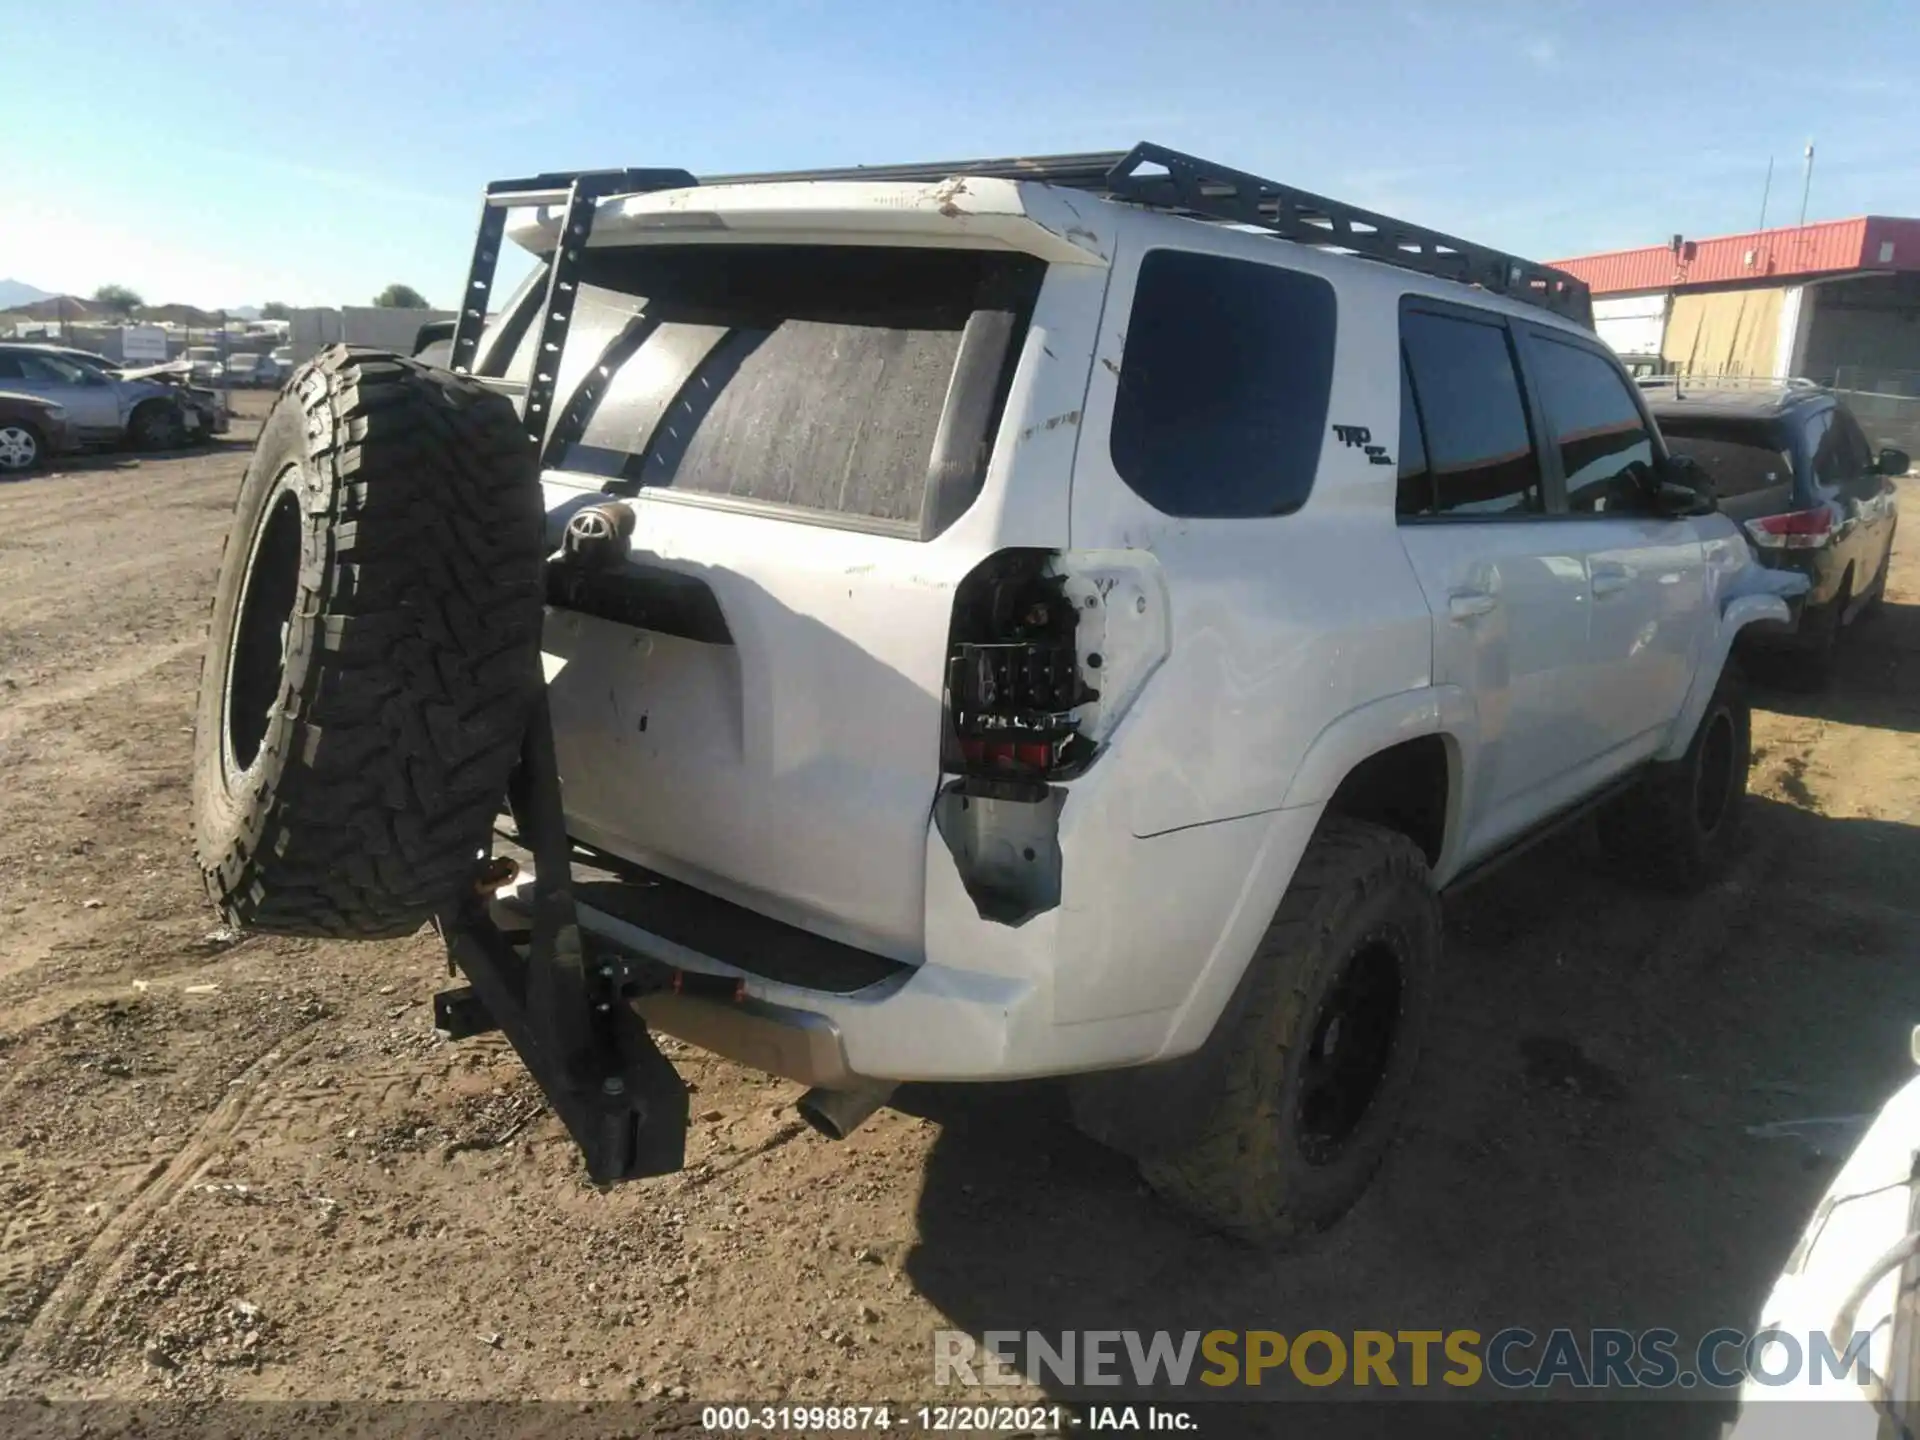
54	307
18	292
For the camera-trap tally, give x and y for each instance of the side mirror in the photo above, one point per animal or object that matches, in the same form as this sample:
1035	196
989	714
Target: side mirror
1674	500
1894	462
1685	488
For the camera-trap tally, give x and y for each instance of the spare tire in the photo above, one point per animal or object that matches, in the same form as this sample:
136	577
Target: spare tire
374	651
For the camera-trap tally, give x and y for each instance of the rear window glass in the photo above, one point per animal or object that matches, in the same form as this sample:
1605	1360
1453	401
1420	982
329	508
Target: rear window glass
1223	387
1739	458
856	382
1478	447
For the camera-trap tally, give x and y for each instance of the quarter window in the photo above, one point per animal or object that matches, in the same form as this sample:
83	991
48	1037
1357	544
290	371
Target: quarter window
1828	442
1856	454
1223	387
1466	392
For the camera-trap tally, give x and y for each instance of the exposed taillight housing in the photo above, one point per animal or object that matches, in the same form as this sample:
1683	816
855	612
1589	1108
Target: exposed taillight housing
1793	530
1047	649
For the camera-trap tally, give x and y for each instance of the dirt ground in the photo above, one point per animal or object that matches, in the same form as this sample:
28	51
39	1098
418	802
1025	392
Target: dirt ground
246	1168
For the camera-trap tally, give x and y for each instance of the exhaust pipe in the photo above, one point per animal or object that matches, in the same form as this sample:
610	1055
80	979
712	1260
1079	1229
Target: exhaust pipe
836	1114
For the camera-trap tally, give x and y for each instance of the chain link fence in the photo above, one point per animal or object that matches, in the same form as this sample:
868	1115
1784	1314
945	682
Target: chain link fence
1886	402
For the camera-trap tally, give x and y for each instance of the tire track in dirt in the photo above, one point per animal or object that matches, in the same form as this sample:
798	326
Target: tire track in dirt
21	712
91	1277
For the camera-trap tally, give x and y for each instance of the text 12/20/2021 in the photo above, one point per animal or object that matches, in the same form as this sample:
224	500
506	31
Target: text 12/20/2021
942	1419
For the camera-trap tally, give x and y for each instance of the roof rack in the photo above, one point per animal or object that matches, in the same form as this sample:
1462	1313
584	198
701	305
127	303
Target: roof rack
1714	382
1148	175
1162	179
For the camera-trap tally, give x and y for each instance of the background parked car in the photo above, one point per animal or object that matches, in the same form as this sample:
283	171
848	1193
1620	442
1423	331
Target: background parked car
103	408
205	360
243	368
1792	465
203	414
31	430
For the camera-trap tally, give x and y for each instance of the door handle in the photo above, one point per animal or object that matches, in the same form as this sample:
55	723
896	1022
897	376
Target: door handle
1466	604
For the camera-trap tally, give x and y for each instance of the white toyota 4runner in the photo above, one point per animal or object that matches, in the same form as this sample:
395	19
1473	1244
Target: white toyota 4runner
1069	617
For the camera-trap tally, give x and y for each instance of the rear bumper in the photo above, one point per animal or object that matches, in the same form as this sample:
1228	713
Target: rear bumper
1134	965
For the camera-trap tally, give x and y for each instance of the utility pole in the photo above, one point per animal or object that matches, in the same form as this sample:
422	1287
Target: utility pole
1766	191
1806	185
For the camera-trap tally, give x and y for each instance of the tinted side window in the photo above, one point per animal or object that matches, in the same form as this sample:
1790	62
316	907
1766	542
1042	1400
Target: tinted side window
1856	453
10	367
1826	441
1222	404
1605	450
49	371
1416	480
1473	420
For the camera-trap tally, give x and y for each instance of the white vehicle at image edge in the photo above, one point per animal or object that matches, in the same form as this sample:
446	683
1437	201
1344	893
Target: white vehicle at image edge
999	622
1851	1275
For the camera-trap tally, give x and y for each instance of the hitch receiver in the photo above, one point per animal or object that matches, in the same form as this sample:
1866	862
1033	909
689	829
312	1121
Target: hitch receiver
574	1029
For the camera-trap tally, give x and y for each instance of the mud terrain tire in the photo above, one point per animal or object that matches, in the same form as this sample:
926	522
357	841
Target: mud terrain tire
1677	827
373	655
1267	1163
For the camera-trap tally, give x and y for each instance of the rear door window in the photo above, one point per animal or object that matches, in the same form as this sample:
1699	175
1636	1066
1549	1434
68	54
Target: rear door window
1223	386
856	384
1604	444
1473	419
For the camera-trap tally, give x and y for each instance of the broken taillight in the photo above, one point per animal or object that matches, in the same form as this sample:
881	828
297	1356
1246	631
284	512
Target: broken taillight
1794	530
1033	631
1014	678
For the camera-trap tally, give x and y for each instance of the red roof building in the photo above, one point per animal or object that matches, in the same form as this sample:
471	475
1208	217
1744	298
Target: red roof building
1830	247
1837	301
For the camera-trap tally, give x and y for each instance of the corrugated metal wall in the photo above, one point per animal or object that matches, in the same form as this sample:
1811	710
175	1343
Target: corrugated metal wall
1872	323
1631	324
1728	332
383	329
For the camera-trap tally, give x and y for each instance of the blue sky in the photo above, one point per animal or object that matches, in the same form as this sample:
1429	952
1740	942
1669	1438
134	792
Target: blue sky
227	154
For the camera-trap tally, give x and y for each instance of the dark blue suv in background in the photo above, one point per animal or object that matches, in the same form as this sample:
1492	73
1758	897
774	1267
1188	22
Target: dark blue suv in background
1790	463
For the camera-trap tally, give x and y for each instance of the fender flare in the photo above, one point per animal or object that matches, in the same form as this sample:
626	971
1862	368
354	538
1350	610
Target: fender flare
1739	612
1445	710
